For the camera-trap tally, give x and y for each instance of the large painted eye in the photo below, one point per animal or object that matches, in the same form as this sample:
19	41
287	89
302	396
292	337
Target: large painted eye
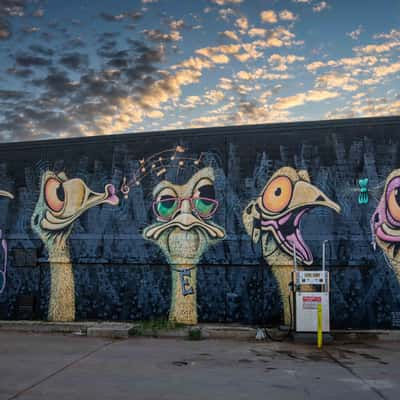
54	194
393	203
204	200
277	194
166	206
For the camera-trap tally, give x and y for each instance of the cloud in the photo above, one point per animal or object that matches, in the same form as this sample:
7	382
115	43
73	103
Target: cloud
225	84
217	54
57	83
195	63
280	62
323	5
99	101
214	96
30	29
336	80
5	31
11	95
346	62
176	24
111	17
257	32
387	70
155	114
259	73
226	2
156	35
27	60
44	51
242	23
393	34
299	99
226	13
269	16
134	15
356	33
20	73
377	48
191	102
230	35
38	13
74	61
287	15
168	87
12	8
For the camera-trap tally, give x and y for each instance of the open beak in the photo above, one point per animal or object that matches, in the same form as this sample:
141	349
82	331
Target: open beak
4	193
286	228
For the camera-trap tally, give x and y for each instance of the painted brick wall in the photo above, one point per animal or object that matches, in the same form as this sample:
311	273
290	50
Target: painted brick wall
119	275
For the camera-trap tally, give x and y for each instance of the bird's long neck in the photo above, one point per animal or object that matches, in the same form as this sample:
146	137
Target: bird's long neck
283	276
62	292
184	293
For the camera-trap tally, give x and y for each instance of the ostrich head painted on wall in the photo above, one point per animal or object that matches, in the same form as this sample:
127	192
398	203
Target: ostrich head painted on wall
385	222
274	220
61	201
184	231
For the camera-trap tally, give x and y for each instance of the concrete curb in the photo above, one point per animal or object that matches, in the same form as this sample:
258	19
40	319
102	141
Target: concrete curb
113	330
45	327
123	330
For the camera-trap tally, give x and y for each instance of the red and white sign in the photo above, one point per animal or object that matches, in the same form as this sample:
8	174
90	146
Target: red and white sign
311	302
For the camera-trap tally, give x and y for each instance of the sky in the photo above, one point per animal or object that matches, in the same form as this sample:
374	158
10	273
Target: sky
84	68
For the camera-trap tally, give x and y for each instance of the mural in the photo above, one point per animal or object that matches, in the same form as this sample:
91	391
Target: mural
385	222
184	231
61	201
204	228
274	219
3	271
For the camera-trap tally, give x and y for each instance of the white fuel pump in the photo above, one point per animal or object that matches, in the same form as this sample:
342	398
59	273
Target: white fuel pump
311	288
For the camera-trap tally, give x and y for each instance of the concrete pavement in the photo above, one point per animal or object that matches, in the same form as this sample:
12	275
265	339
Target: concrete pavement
48	366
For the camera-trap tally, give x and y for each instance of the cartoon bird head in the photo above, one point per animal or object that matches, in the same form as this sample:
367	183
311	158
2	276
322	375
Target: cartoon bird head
184	229
61	202
385	222
275	216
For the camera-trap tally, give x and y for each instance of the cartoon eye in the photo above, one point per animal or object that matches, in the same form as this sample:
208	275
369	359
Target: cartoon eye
166	206
204	201
277	194
394	204
54	194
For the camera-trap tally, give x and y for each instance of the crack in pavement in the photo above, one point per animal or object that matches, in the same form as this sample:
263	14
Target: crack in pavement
58	371
357	376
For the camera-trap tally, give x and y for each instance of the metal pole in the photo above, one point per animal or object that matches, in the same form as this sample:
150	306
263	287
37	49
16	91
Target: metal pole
323	254
324	262
319	325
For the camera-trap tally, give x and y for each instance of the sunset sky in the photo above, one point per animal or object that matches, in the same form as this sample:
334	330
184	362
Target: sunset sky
82	68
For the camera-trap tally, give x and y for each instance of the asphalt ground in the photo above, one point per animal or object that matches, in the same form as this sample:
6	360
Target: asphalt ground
55	366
